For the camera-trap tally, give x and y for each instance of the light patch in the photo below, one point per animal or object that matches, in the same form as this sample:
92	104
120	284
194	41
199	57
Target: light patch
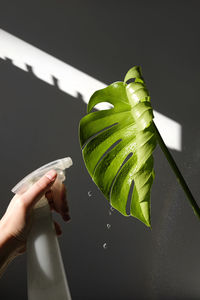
72	81
170	130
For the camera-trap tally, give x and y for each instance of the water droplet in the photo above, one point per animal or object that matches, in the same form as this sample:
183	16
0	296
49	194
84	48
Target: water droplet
110	213
105	246
89	193
112	208
108	226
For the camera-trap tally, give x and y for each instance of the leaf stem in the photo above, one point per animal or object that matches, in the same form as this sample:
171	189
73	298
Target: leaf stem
177	172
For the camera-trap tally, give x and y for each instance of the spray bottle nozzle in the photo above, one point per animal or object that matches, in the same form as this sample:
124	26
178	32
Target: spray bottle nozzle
58	165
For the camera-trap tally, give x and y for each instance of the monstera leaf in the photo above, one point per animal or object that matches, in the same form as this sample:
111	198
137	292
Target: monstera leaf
118	145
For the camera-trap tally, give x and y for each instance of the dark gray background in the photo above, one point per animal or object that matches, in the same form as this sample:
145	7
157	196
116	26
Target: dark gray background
39	123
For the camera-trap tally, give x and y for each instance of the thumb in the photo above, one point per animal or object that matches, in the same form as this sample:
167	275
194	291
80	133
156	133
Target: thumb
38	189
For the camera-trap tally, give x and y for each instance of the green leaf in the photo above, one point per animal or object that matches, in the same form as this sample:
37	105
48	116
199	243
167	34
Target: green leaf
118	144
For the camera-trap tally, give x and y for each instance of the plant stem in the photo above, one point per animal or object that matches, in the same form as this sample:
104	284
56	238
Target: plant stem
177	172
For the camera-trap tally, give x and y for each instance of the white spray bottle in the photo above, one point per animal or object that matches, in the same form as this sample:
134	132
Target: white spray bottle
46	274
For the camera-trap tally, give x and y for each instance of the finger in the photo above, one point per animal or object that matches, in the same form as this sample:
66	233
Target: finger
60	200
57	228
22	250
39	188
49	196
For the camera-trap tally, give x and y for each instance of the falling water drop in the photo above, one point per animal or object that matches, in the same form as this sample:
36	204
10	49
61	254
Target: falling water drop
105	246
89	193
108	226
110	213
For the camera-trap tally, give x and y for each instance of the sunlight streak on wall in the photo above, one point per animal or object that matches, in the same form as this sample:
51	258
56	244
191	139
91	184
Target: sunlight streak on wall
71	80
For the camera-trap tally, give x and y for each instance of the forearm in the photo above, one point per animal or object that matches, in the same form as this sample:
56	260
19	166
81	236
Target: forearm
8	248
16	222
4	262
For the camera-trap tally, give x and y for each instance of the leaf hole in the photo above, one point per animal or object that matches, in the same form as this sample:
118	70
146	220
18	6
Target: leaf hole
128	203
107	151
126	159
97	133
103	106
124	162
131	80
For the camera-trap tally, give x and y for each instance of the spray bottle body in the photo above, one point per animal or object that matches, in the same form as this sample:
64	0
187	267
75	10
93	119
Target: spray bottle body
45	270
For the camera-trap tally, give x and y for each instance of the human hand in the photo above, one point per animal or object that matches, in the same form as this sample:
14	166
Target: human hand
16	222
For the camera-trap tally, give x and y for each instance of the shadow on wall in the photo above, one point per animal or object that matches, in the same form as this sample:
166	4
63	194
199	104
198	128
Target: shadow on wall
38	124
71	80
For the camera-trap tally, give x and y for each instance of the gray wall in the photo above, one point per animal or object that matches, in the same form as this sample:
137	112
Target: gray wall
39	123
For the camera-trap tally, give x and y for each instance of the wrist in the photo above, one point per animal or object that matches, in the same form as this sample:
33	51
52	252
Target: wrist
6	249
9	245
